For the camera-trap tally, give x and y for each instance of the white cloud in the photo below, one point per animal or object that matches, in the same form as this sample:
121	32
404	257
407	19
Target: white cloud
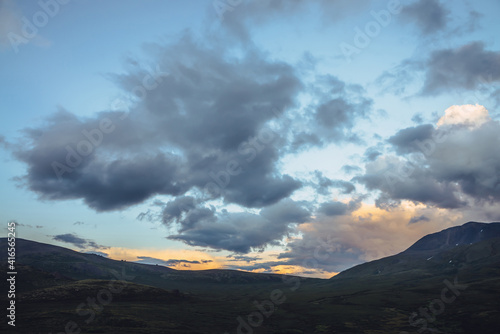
473	116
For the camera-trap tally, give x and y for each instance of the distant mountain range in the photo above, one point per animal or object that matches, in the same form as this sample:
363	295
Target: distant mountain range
390	295
64	264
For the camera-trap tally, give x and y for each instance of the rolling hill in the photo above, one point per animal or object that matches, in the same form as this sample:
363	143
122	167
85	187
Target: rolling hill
398	294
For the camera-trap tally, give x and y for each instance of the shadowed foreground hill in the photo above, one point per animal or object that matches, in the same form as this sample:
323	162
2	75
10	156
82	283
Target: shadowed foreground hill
447	282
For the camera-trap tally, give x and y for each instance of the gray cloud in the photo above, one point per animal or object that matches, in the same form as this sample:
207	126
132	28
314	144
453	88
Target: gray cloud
417	118
335	243
170	262
372	153
10	22
418	219
319	249
345	186
408	140
234	258
339	208
241	19
174	209
397	179
212	124
430	16
350	169
333	208
436	22
323	184
449	168
334	116
209	112
72	239
76	241
240	231
468	67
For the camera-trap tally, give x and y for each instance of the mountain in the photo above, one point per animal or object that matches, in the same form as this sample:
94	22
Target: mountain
447	282
445	251
466	234
62	263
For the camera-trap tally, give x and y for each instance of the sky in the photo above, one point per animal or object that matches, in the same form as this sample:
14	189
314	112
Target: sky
282	136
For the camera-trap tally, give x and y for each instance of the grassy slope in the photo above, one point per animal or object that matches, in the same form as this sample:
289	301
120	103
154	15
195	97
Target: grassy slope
371	301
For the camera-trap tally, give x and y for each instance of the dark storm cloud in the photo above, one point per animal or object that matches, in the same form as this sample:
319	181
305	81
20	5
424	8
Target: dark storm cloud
240	231
76	241
102	182
204	120
430	16
204	126
439	167
468	67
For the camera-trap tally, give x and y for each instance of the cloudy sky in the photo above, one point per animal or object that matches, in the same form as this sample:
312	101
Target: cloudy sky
284	136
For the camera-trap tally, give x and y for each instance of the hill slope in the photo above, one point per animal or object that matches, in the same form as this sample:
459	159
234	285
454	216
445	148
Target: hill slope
438	252
68	264
389	296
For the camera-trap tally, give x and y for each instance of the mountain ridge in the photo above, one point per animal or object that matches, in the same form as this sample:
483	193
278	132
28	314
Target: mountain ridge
433	250
376	297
